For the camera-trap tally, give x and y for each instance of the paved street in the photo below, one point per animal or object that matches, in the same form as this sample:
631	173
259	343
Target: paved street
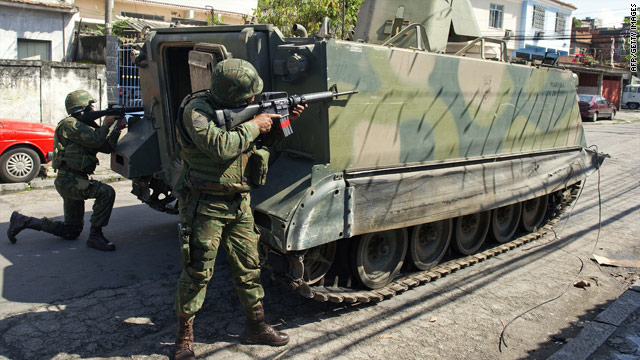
63	300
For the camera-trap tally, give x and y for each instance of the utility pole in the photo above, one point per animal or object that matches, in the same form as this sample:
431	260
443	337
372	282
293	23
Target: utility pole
344	17
111	54
108	12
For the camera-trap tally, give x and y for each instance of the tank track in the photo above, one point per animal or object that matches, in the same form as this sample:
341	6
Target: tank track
405	282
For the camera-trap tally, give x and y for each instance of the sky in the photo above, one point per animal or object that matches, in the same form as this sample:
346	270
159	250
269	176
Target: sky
612	12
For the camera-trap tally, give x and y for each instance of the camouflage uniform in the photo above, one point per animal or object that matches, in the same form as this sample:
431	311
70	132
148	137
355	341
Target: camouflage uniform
214	204
213	193
75	147
74	157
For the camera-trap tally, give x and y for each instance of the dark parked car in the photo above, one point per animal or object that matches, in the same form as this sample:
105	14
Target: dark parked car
24	146
594	107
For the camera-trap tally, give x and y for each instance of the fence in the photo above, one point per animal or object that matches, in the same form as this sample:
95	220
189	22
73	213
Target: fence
128	79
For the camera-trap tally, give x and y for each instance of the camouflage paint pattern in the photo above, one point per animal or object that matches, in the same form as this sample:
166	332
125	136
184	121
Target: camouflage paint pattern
76	144
77	101
415	107
235	81
214	194
226	223
74	158
428	135
74	190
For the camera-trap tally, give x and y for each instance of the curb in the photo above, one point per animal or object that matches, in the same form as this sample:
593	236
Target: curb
596	333
48	183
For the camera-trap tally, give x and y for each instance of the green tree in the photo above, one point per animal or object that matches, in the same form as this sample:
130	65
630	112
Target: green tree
577	22
308	13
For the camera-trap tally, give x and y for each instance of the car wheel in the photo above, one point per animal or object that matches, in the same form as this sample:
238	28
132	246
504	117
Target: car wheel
19	165
632	106
594	118
613	113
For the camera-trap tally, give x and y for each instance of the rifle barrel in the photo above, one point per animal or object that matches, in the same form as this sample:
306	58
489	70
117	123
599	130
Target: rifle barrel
345	93
318	96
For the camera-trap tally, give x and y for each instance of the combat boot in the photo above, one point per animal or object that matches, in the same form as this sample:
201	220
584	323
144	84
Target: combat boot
98	241
184	341
257	331
19	222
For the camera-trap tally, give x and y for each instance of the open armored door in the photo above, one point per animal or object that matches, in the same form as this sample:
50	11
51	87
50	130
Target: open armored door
202	59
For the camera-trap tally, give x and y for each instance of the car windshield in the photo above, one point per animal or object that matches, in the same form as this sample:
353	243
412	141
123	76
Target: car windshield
585	98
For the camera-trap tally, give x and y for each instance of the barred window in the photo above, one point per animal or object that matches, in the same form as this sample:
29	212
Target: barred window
538	17
495	16
560	22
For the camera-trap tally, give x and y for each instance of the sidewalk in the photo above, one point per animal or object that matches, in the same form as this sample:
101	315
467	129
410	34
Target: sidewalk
614	334
103	173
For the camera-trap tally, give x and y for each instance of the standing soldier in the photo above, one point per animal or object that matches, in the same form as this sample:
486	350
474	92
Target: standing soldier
220	168
74	157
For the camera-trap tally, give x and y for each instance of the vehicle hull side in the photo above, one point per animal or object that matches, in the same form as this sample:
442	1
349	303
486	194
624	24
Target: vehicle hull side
389	200
378	200
415	107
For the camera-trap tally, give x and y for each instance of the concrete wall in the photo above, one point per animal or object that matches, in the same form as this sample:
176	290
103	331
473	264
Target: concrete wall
27	23
35	90
91	49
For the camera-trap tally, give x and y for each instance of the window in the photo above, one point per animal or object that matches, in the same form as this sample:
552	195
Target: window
538	17
143	16
34	49
495	16
560	22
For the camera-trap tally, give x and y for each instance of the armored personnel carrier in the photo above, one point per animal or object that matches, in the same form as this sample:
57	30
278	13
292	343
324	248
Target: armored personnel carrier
437	154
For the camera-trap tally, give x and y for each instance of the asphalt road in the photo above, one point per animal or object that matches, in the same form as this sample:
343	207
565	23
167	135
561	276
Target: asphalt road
63	300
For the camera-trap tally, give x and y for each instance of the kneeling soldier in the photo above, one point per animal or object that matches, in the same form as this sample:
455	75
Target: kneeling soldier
74	158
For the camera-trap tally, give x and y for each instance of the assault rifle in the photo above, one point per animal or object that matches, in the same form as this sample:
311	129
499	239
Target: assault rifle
89	117
274	103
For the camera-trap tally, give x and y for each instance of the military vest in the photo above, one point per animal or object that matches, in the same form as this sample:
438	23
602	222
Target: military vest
206	174
68	155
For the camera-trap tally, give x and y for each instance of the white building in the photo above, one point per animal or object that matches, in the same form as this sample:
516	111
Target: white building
530	26
44	29
36	30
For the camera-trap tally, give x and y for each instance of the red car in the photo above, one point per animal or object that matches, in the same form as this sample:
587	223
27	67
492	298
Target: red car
23	147
594	107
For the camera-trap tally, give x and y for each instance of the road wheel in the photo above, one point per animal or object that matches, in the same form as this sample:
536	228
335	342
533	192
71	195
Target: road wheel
19	164
378	257
471	232
533	213
633	106
504	222
429	243
317	261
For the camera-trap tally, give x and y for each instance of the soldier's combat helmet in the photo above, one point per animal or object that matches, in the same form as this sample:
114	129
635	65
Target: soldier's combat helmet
234	81
78	101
